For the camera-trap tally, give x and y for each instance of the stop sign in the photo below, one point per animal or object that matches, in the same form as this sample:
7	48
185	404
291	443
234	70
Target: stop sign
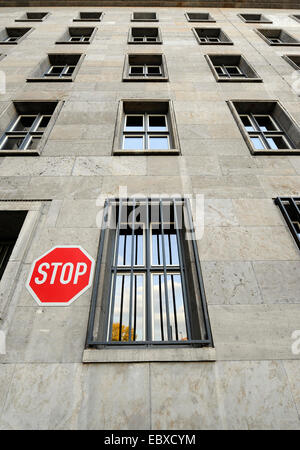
61	275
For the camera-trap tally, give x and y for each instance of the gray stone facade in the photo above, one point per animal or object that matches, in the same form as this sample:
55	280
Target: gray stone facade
249	259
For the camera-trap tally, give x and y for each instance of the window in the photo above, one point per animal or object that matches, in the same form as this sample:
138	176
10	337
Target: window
27	126
146	127
10	226
290	208
277	37
296	17
78	35
293	60
145	67
209	36
13	36
266	126
254	18
57	67
231	68
144	36
33	17
199	17
89	17
151	290
144	17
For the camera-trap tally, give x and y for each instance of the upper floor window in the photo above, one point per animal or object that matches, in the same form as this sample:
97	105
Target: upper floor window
33	17
13	35
151	291
199	17
290	208
144	17
209	36
57	67
144	36
145	67
277	37
254	18
146	127
231	68
296	17
94	16
26	125
78	35
293	60
266	126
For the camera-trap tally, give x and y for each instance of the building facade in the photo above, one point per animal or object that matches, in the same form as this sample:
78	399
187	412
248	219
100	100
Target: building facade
105	112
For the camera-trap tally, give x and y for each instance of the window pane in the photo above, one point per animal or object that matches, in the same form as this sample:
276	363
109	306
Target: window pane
157	123
153	70
233	70
125	246
247	123
175	305
24	123
56	70
12	143
277	142
43	123
136	70
256	141
170	247
158	143
133	143
220	71
265	123
120	328
134	123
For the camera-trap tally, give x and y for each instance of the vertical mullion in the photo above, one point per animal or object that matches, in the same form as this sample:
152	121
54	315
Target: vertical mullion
148	277
182	271
174	306
131	268
121	307
115	263
296	208
165	271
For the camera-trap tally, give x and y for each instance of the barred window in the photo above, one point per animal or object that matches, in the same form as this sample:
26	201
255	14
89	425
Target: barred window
290	208
148	286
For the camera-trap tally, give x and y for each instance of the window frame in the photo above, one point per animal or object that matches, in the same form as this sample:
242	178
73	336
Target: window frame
146	107
233	60
281	202
144	41
222	37
273	109
108	251
209	19
20	38
141	58
278	34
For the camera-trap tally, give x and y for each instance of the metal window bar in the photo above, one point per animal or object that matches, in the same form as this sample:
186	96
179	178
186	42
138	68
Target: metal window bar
6	248
290	209
264	135
165	272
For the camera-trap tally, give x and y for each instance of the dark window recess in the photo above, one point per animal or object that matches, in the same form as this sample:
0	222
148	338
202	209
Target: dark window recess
78	35
254	18
296	17
144	17
209	36
13	35
293	60
290	208
144	36
199	17
33	17
148	282
145	67
88	17
277	37
11	223
57	67
231	68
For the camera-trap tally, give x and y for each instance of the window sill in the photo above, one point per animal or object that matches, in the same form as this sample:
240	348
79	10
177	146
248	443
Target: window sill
265	152
19	152
139	355
146	79
50	79
146	152
239	80
144	43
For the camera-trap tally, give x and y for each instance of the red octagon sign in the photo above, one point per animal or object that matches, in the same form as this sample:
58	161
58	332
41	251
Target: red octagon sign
61	275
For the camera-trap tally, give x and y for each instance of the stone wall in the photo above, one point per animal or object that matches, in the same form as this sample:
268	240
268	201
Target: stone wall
249	259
